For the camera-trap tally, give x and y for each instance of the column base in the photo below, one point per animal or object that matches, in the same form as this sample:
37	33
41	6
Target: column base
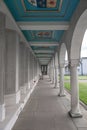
61	95
56	86
24	89
12	99
28	85
75	115
2	112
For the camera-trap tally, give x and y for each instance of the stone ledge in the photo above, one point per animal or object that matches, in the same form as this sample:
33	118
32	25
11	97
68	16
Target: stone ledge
13	111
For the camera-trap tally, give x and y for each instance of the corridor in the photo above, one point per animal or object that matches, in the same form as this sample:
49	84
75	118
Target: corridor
45	110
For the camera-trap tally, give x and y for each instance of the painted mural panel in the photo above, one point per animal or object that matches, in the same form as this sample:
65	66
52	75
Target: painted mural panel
41	34
44	3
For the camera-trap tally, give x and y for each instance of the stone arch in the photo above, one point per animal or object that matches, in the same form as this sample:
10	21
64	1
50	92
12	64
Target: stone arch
78	35
62	53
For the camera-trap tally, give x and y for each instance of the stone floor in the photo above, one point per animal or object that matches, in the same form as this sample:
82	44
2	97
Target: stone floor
46	111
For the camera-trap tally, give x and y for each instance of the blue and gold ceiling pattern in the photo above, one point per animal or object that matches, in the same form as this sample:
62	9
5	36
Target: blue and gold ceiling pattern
42	11
43	35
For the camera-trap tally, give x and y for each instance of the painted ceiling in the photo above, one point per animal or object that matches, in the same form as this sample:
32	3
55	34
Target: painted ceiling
43	35
42	11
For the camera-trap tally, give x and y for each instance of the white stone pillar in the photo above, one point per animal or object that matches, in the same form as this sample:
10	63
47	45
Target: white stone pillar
50	70
22	68
56	77
29	69
56	71
34	70
25	69
37	74
75	110
2	66
61	68
12	91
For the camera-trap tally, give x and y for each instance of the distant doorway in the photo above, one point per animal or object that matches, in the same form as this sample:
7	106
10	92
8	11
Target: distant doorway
44	69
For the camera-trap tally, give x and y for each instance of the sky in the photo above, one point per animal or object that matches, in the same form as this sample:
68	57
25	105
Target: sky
83	47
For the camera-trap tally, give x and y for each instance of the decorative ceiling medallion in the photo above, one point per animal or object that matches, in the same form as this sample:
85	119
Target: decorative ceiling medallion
42	5
41	34
33	2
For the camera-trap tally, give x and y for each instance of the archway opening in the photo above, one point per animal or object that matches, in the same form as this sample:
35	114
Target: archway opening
83	56
82	70
67	72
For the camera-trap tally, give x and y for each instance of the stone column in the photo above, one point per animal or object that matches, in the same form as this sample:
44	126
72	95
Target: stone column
56	77
34	68
61	68
25	69
50	70
31	70
75	110
2	66
37	75
35	65
56	71
21	68
38	70
28	68
12	92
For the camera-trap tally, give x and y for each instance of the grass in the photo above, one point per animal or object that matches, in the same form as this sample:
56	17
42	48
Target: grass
79	77
82	91
66	77
82	77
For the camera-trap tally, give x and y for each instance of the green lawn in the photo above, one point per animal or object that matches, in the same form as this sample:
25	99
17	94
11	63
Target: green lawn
79	77
82	91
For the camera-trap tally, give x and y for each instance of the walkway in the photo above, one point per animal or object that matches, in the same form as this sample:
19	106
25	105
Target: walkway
46	111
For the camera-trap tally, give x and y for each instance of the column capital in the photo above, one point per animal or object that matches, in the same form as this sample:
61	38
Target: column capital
74	62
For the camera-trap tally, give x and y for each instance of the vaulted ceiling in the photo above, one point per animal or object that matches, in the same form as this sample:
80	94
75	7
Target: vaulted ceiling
43	23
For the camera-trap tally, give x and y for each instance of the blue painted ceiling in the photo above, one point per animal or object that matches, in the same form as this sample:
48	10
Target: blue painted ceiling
43	35
42	11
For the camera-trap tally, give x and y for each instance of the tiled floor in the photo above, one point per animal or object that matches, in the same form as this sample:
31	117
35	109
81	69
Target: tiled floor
45	110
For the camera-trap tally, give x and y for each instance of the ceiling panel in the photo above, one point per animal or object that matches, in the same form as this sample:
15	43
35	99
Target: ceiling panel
42	10
56	13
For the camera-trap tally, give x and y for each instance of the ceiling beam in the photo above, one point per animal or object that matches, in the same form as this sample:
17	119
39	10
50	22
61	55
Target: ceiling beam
44	51
43	25
44	56
42	44
43	59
